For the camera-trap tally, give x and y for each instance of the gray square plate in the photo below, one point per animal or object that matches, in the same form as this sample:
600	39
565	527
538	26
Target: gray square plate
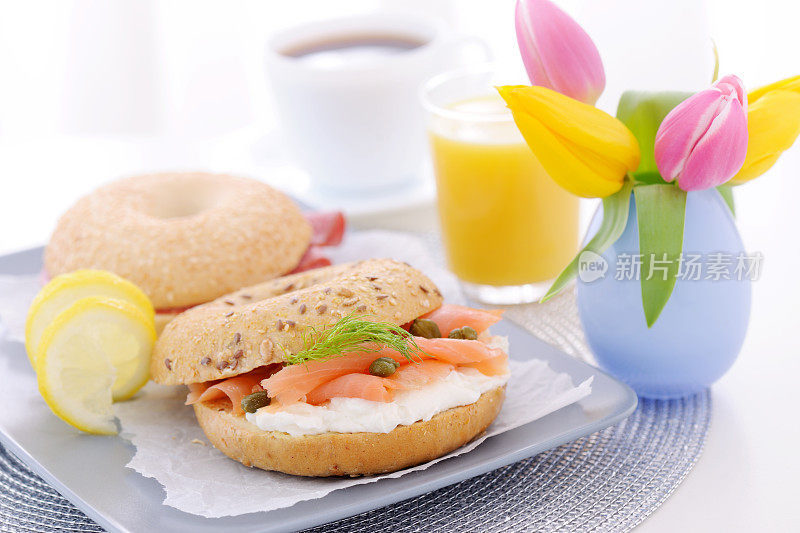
90	470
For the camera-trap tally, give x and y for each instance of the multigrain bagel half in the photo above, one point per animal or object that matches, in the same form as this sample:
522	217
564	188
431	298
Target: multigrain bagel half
347	454
261	324
264	324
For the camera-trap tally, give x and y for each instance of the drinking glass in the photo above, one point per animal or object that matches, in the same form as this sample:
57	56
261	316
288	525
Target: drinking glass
507	228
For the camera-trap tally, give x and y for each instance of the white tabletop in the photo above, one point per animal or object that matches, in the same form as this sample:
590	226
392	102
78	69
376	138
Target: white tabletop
746	479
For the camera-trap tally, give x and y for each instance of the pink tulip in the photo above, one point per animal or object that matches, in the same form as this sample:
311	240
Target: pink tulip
703	141
557	53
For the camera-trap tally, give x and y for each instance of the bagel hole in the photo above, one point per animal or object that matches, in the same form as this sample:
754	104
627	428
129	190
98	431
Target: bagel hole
176	201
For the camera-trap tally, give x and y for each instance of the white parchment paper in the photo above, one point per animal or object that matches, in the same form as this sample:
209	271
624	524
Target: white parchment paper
198	479
16	295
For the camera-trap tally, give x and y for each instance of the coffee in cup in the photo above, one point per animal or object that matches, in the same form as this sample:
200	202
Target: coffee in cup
346	95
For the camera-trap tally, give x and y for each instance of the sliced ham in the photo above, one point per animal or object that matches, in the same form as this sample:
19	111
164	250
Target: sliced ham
327	227
312	258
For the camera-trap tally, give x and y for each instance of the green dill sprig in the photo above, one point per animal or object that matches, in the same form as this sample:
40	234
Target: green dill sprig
351	334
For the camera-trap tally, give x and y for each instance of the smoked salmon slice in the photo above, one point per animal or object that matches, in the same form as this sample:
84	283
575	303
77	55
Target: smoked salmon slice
418	375
377	389
494	366
234	388
364	386
293	382
449	317
457	351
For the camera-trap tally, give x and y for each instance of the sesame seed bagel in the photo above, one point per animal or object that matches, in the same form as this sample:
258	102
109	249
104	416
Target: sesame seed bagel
184	238
347	454
263	324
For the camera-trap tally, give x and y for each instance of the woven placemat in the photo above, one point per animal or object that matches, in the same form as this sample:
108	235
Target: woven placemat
608	481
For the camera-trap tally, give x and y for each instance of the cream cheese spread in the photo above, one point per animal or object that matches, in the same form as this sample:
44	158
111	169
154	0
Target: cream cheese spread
353	415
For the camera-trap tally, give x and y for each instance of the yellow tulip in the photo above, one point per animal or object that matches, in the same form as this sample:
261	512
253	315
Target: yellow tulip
789	84
773	124
586	151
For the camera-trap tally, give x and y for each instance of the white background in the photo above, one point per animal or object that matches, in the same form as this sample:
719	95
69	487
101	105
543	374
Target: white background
93	90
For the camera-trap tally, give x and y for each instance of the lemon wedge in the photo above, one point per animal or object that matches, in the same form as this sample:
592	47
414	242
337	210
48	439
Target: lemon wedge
64	290
93	353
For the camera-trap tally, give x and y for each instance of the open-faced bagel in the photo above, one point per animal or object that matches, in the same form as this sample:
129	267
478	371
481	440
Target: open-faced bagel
347	454
260	325
184	238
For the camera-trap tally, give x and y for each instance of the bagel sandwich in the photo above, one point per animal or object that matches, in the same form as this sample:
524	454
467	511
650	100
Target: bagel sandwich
187	238
347	370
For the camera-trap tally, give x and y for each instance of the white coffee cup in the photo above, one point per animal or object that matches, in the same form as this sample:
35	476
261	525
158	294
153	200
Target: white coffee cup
358	127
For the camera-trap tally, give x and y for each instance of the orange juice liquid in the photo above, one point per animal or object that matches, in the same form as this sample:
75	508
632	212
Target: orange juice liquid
504	221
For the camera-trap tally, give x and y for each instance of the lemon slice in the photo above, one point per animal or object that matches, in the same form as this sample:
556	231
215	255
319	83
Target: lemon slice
64	290
95	352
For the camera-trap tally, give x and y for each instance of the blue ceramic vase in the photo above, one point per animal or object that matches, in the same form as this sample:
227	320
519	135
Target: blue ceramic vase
700	331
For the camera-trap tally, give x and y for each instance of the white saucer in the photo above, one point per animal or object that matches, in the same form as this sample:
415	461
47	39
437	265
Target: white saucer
267	154
262	156
297	183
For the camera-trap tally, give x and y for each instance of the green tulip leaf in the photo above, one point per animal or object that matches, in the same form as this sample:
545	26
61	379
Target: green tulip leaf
660	210
615	218
726	191
642	112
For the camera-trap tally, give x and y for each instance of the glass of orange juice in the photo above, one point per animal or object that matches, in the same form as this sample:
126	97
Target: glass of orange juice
507	228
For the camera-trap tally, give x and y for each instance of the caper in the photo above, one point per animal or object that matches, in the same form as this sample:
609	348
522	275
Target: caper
422	327
466	333
383	367
253	402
